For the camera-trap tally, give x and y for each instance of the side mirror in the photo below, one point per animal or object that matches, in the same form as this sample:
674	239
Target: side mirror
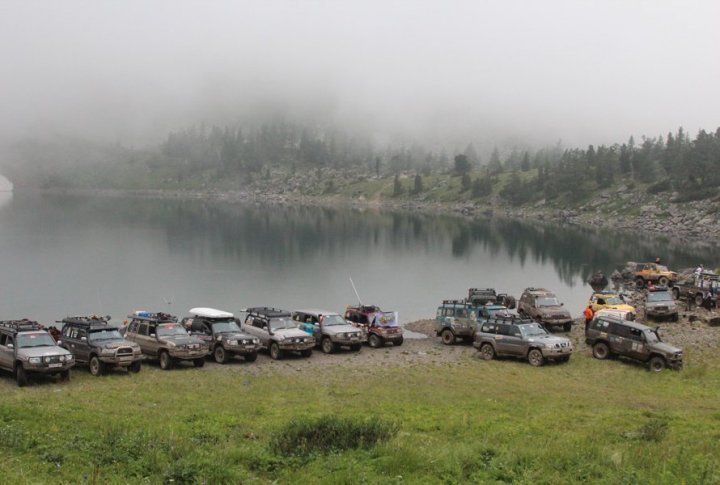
10	346
108	317
59	342
84	339
152	335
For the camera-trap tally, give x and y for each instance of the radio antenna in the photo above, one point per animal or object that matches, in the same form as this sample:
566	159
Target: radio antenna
355	290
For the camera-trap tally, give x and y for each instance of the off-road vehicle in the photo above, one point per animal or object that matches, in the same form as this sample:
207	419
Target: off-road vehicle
99	345
456	319
698	287
161	337
642	273
330	329
601	300
610	336
220	331
543	306
482	296
659	303
26	348
277	332
520	337
380	327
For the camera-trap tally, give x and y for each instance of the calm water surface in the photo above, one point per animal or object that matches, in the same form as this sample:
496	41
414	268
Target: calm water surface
82	255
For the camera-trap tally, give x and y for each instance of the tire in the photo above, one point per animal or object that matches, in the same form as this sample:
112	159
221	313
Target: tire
398	342
675	317
199	362
97	367
567	327
601	351
65	375
663	281
135	366
656	364
535	357
447	336
327	345
355	347
375	341
509	302
20	375
306	353
487	352
699	300
639	282
676	293
251	357
275	352
166	362
563	359
220	355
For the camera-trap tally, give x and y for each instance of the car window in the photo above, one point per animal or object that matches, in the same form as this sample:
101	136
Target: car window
600	324
2	339
515	331
133	326
143	329
636	334
488	328
66	330
503	329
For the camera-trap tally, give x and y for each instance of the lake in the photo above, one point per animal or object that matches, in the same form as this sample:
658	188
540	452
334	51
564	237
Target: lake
72	255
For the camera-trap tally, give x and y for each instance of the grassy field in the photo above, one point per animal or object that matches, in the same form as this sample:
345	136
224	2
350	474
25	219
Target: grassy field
449	422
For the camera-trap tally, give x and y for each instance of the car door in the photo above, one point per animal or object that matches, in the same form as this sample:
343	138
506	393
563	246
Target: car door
502	333
619	339
259	328
7	353
637	346
143	339
514	341
82	345
69	341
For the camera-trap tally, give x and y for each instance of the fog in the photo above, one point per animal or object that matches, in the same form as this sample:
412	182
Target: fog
436	72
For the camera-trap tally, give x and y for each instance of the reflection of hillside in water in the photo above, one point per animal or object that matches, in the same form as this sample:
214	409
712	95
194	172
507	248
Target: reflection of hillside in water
278	236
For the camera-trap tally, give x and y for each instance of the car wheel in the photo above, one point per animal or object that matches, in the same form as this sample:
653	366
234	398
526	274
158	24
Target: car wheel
509	302
398	342
564	358
165	360
21	376
375	341
487	352
448	337
199	362
663	281
328	346
135	366
306	352
355	347
97	368
220	355
699	300
657	363
676	293
275	352
535	357
251	357
639	282
65	375
567	327
675	317
601	351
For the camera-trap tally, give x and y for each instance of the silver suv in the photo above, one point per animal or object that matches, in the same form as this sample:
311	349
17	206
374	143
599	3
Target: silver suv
26	348
222	334
278	332
160	336
330	329
521	337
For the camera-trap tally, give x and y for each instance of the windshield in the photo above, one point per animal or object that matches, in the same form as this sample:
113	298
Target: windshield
662	268
38	339
282	323
652	337
532	330
225	326
170	329
614	300
107	334
331	320
546	301
659	296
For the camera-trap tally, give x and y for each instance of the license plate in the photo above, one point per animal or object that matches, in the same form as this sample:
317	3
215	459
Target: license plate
54	365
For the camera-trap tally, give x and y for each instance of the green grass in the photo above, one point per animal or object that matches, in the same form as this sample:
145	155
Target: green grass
469	421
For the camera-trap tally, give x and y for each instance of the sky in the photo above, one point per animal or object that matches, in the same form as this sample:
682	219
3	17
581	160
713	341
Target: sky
491	72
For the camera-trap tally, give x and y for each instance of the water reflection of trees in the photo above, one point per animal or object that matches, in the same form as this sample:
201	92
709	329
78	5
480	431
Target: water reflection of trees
279	236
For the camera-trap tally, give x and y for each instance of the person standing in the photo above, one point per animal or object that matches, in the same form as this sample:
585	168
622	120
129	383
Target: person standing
589	314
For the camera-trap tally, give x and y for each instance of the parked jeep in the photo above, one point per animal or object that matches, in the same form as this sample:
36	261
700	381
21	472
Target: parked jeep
609	301
277	332
520	337
219	330
329	329
161	337
99	345
543	306
609	336
482	296
456	319
380	327
660	304
642	273
698	287
26	348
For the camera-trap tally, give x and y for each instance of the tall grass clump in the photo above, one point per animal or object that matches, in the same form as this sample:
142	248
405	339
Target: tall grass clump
306	436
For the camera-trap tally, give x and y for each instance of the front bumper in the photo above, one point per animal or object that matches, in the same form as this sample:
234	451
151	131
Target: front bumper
555	352
188	354
52	368
347	341
308	344
241	349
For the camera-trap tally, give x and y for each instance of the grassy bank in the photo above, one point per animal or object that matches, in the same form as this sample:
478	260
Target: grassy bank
469	420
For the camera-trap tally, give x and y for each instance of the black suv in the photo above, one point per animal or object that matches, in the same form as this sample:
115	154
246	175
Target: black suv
99	345
222	334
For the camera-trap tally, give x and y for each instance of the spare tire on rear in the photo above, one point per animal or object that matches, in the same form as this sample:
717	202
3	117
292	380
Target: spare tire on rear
508	301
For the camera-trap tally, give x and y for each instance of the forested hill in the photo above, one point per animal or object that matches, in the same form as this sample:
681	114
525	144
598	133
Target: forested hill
271	155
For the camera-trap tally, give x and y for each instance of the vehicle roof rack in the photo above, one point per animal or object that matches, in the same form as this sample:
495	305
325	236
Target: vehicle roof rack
24	325
454	302
159	317
85	319
269	312
535	288
482	289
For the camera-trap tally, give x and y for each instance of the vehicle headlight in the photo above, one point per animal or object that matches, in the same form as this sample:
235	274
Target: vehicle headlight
34	360
256	341
232	342
107	352
69	357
